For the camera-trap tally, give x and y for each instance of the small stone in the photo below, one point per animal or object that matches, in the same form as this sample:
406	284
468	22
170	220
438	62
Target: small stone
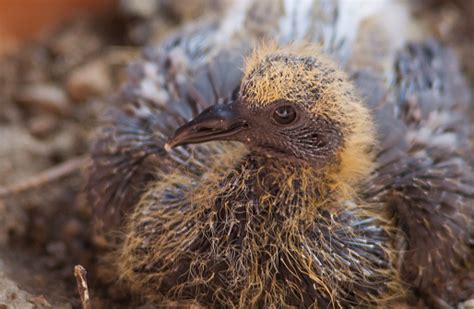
469	303
139	8
42	125
44	97
100	241
57	249
72	228
88	81
12	223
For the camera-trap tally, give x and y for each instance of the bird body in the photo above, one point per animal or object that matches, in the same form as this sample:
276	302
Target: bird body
239	236
307	194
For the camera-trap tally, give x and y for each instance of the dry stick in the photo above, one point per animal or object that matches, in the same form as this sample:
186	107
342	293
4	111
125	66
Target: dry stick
47	176
80	274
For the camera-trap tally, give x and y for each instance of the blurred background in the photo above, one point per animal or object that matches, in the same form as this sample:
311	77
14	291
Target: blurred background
21	21
61	61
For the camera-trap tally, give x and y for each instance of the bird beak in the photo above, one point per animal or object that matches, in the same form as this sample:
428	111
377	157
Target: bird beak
218	122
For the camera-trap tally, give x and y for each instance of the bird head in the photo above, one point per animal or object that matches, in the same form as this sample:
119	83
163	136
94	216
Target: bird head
293	104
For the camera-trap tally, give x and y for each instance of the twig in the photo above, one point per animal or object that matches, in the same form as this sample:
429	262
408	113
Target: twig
44	177
80	274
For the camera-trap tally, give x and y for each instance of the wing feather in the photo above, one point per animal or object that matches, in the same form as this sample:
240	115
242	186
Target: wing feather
428	179
168	86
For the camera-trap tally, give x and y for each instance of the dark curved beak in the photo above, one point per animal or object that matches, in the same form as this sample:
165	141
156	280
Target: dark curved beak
218	122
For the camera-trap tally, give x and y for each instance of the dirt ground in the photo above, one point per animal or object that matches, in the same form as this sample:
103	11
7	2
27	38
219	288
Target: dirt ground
52	93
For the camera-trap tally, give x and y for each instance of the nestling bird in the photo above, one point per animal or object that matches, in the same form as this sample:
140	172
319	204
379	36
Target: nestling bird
297	192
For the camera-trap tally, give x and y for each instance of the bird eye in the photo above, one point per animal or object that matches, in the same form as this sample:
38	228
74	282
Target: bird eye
285	114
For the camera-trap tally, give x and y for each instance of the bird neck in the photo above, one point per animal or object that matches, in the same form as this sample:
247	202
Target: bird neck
240	175
337	182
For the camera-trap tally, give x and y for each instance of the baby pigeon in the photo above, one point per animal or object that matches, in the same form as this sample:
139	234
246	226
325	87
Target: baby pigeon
281	185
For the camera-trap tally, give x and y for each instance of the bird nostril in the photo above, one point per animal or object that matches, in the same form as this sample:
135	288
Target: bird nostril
204	129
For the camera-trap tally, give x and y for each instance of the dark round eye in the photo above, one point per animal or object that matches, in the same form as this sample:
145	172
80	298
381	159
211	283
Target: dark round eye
285	114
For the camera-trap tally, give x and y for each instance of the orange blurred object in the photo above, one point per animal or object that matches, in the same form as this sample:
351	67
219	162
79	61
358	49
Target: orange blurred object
21	20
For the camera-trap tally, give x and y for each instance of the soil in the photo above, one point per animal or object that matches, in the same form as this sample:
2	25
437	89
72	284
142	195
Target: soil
52	94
